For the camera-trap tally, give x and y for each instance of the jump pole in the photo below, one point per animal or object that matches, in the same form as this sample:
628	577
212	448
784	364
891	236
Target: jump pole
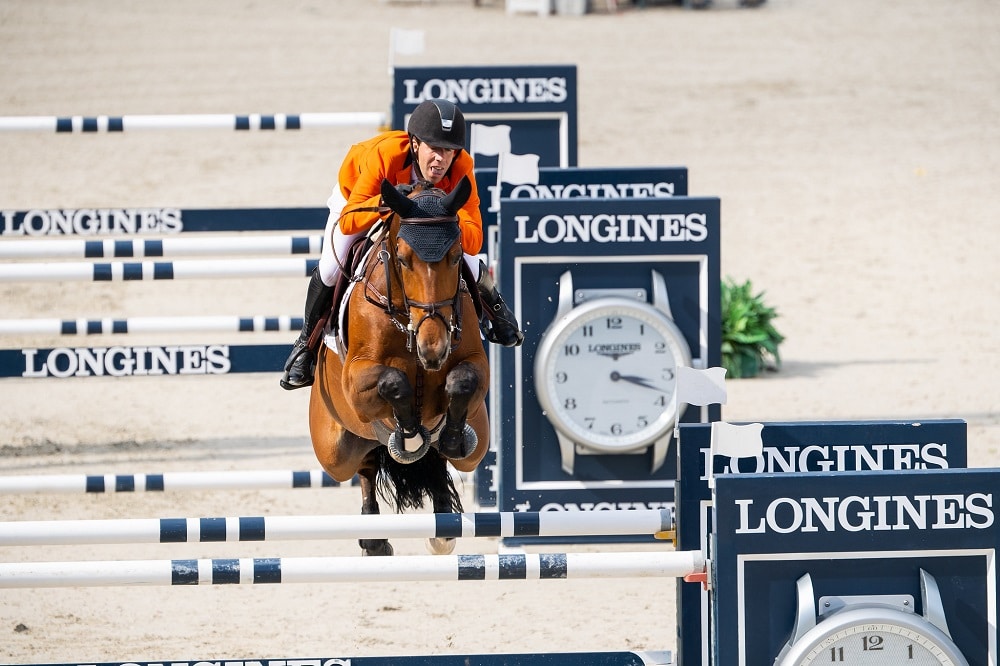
256	571
166	247
167	481
117	271
657	522
228	121
126	325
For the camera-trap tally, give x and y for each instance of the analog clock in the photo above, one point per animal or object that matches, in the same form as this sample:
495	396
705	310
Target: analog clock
605	371
874	630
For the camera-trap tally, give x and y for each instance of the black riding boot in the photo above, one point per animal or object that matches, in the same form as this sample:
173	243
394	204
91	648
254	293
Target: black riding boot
301	362
498	324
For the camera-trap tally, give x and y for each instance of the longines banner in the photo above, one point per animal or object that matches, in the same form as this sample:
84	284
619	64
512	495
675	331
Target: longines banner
611	294
784	542
518	109
806	446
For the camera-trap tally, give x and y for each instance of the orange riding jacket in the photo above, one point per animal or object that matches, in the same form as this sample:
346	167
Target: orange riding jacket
387	156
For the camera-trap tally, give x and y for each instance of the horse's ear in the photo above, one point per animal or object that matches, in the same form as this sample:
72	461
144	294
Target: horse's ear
395	200
458	196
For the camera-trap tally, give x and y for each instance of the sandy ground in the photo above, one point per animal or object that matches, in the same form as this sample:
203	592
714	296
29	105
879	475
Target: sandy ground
854	145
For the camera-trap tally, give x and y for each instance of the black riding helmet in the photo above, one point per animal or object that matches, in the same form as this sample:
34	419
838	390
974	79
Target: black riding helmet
439	123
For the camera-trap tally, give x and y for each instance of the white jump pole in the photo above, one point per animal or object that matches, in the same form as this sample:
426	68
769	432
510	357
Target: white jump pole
249	571
118	271
167	481
226	121
36	248
377	526
126	325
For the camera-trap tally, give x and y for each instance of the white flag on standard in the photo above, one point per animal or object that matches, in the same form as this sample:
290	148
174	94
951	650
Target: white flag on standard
407	42
489	139
737	441
517	169
701	387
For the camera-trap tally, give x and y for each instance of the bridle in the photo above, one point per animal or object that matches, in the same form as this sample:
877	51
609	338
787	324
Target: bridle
402	317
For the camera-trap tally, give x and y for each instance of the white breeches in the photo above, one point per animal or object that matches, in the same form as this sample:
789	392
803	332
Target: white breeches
336	243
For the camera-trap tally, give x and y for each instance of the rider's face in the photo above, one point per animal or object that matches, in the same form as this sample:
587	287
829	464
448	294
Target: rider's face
433	162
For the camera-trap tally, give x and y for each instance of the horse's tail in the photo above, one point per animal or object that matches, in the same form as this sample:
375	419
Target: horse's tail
405	486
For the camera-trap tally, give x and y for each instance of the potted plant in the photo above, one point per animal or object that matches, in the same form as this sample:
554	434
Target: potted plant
749	339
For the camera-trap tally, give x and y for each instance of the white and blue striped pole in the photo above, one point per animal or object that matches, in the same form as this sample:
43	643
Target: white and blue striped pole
124	326
156	270
656	522
36	248
166	481
257	571
226	121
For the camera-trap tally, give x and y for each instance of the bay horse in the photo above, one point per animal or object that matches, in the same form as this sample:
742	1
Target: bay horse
404	393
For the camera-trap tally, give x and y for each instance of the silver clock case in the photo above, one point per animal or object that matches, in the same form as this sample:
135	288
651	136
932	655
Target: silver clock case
838	616
575	305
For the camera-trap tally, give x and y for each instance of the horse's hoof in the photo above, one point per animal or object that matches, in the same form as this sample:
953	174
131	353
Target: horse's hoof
439	546
397	446
457	450
385	550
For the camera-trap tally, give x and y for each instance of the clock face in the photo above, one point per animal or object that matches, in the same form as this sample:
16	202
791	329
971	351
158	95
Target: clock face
877	638
605	374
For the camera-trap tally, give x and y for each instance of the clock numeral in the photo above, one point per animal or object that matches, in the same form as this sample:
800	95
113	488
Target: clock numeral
661	401
587	331
590	420
836	654
616	428
669	374
614	323
872	643
569	403
561	377
641	422
909	651
660	347
571	350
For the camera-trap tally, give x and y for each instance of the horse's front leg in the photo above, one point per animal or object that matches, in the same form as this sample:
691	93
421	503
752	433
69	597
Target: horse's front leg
458	441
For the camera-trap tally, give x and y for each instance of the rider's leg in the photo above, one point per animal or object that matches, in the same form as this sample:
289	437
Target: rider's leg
498	323
301	361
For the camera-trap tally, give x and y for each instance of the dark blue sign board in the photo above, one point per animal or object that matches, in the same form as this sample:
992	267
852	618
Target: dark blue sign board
559	183
534	106
855	534
793	447
599	242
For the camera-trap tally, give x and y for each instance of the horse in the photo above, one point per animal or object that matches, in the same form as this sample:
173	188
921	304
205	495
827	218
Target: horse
404	393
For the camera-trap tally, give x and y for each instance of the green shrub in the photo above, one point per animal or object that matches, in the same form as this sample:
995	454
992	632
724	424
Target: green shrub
749	339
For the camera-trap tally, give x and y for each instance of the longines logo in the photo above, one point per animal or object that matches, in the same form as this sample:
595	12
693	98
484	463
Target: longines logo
855	513
611	228
90	221
836	458
127	361
616	350
520	90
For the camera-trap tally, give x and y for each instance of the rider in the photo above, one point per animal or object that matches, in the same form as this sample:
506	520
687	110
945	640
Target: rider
432	150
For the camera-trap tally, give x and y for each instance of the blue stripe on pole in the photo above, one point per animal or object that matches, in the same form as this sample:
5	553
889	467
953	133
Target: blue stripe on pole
132	271
124	483
90	124
293	122
64	124
267	570
163	270
116	124
471	567
183	572
119	326
93	249
552	565
447	525
173	530
487	525
225	571
124	248
154	482
328	481
94	327
301	480
153	248
300	245
242	123
271	324
102	272
67	327
267	122
94	484
526	524
252	528
212	529
311	264
513	567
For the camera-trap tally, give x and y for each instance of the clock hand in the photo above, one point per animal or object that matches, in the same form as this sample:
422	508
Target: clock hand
632	379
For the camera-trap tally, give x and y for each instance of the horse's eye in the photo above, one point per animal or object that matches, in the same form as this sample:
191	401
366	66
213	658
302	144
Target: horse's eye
404	262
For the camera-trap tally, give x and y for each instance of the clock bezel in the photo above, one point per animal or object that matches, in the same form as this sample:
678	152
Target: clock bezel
546	357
